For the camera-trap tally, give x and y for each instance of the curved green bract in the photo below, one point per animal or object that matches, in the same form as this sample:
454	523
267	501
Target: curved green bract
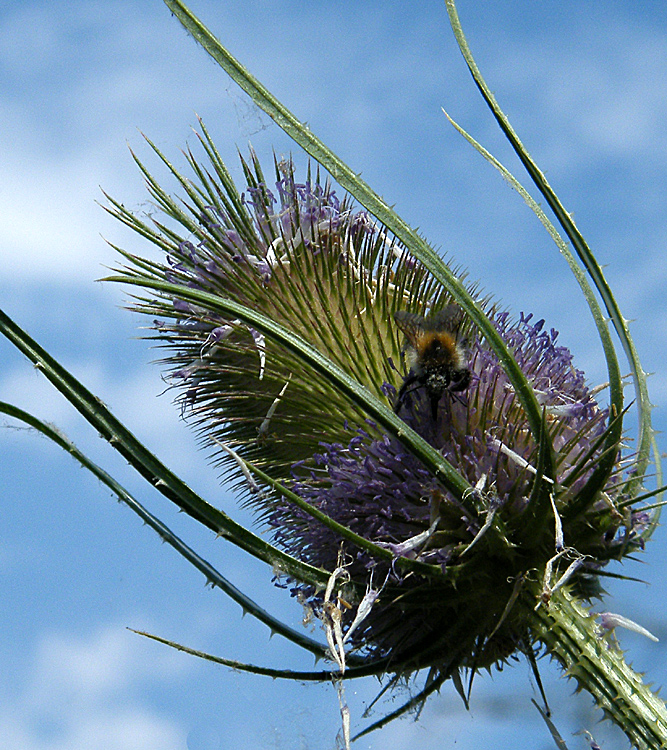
373	669
582	249
433	460
613	436
351	182
149	466
213	577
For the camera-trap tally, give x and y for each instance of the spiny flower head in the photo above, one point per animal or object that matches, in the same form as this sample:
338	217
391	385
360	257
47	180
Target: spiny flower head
382	492
456	575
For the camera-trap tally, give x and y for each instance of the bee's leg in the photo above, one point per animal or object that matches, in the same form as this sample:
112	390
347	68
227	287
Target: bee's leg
435	400
409	380
460	380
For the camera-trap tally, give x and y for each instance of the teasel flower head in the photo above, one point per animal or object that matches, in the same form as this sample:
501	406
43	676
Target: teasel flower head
444	525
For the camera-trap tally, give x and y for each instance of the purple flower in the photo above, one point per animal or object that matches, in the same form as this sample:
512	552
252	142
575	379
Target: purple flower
379	490
452	579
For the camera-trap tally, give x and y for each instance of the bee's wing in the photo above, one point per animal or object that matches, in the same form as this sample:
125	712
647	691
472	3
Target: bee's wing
410	324
448	319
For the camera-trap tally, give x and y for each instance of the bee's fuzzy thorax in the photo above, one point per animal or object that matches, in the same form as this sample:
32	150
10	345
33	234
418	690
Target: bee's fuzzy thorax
436	346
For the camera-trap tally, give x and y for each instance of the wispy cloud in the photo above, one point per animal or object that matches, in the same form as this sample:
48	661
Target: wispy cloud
85	692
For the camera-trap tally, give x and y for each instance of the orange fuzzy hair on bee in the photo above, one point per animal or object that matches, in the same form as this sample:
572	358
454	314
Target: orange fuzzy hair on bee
432	347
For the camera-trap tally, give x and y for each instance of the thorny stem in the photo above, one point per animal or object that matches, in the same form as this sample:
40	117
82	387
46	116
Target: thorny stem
569	632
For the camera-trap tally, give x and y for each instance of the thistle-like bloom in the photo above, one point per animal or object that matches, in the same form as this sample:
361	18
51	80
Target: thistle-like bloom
457	573
437	481
377	488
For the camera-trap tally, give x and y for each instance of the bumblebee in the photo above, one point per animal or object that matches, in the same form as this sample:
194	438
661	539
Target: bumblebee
435	356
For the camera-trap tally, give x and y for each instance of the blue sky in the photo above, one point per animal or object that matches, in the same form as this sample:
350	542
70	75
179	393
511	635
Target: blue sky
584	85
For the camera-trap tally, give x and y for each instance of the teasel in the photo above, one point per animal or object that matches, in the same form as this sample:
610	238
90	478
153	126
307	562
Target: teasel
447	540
444	539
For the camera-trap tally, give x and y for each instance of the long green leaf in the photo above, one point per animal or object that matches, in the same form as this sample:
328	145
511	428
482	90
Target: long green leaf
148	465
579	244
213	577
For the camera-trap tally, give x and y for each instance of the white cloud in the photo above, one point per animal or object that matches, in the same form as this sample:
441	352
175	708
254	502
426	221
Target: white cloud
72	93
134	398
80	694
46	226
606	90
100	75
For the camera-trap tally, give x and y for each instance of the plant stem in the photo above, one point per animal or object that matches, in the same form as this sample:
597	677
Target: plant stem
568	630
